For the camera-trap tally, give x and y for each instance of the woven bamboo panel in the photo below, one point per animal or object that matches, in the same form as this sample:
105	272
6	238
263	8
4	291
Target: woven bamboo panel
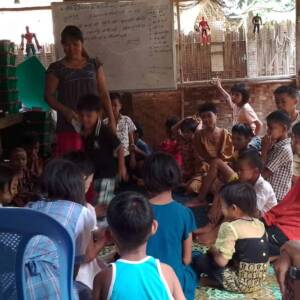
196	58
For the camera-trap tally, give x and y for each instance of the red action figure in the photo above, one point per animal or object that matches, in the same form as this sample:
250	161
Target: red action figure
29	36
204	27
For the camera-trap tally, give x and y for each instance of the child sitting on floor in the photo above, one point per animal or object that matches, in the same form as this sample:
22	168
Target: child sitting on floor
238	260
89	270
172	243
26	182
212	142
185	131
8	184
241	137
286	99
170	144
101	144
283	220
238	101
250	166
135	275
31	145
63	186
277	153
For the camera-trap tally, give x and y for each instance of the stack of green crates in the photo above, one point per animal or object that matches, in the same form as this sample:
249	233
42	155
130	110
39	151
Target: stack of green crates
9	96
41	124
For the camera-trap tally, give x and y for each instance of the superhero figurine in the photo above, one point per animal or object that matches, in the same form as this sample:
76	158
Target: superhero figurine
256	21
29	37
204	27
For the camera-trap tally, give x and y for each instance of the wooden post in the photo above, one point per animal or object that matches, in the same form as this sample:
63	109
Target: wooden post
179	41
297	41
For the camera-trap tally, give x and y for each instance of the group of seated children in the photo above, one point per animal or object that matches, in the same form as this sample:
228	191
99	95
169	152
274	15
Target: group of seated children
244	182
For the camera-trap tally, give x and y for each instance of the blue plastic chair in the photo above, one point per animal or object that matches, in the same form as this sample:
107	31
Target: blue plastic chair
17	227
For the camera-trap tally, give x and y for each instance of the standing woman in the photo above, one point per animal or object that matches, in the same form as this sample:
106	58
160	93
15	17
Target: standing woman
69	79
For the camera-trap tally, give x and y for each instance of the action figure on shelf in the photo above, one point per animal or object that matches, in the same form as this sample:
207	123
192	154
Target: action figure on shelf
29	37
204	27
256	21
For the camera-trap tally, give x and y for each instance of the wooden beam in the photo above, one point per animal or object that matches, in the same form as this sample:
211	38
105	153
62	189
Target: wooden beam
12	9
297	41
179	41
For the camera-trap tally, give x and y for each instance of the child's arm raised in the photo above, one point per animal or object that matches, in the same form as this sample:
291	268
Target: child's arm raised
173	282
217	83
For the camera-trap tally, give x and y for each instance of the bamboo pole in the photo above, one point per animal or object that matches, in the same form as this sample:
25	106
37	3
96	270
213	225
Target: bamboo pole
297	41
179	41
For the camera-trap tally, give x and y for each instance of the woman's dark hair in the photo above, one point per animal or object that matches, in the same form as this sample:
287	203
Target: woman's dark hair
287	89
139	130
62	180
207	107
242	195
242	89
130	218
89	103
279	117
189	125
161	173
82	161
243	129
71	32
296	129
171	121
7	173
253	158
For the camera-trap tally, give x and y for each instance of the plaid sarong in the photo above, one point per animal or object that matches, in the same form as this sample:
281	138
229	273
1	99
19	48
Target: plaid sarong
105	189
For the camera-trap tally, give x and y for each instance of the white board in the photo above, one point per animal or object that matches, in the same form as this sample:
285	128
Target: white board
134	40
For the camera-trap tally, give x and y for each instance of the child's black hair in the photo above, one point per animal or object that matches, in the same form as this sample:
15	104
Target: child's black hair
139	130
242	89
171	121
115	96
71	32
253	158
243	129
242	195
130	218
296	129
280	117
161	173
189	125
7	173
29	139
207	107
287	89
62	180
89	103
82	161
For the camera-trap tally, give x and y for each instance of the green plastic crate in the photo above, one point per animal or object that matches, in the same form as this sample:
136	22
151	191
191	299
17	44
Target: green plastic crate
7	59
9	96
6	46
8	83
8	71
10	107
